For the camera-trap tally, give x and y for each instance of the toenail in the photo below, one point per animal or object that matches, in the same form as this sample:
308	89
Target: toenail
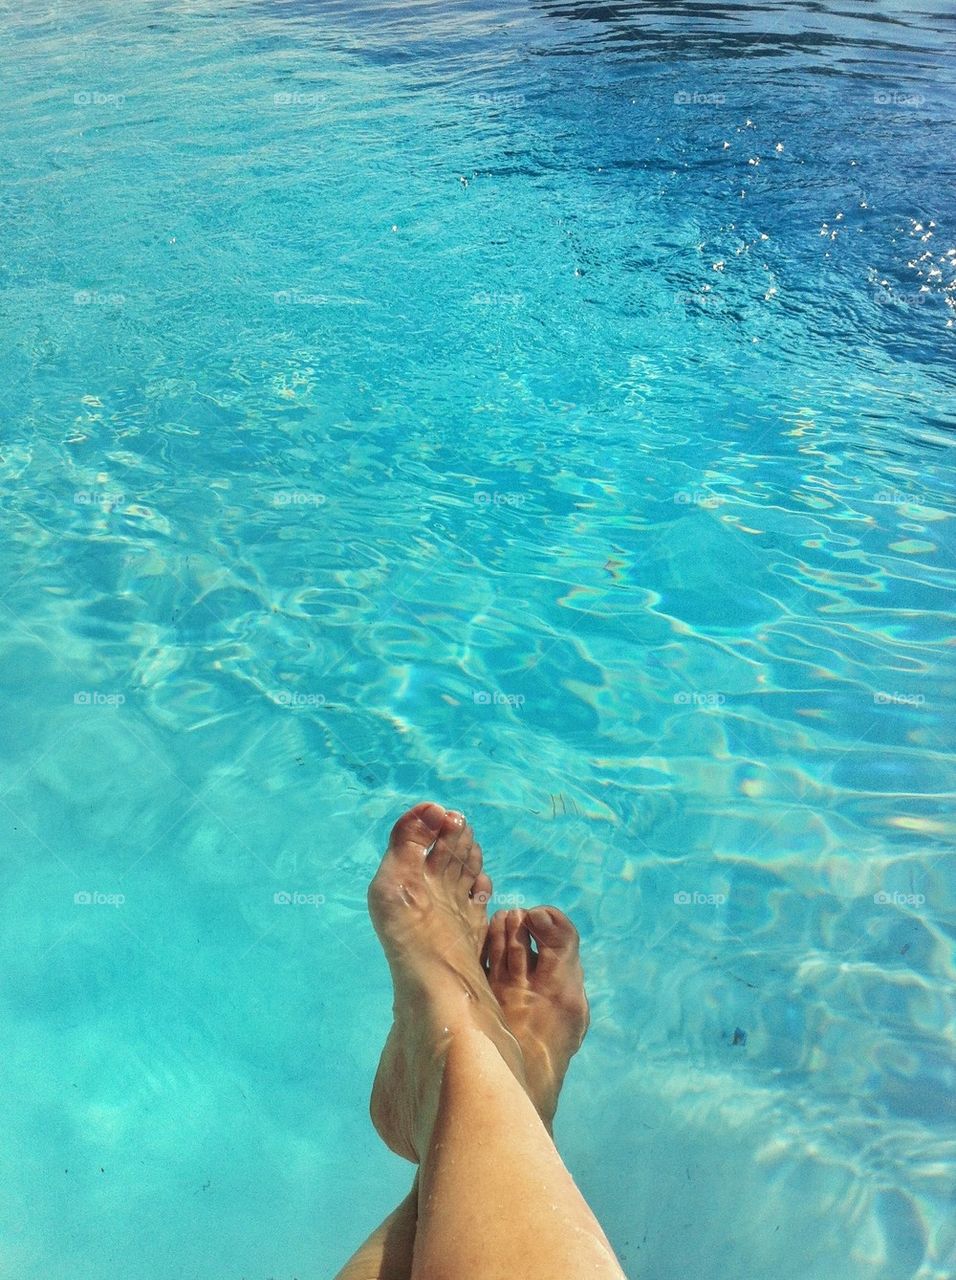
457	818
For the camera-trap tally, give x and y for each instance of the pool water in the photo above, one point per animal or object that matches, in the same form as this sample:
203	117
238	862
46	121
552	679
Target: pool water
544	408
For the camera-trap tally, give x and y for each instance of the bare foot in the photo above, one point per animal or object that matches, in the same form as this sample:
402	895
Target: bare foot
541	995
428	905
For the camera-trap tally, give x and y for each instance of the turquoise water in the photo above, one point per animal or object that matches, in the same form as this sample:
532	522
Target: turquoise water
546	409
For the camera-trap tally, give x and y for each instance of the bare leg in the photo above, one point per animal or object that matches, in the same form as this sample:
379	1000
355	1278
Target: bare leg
495	1199
387	1253
451	1089
541	995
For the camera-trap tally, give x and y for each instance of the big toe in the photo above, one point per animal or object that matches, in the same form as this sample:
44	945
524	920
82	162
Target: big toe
452	848
556	938
416	830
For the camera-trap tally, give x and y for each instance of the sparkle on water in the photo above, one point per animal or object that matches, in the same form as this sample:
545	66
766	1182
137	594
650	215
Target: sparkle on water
546	409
